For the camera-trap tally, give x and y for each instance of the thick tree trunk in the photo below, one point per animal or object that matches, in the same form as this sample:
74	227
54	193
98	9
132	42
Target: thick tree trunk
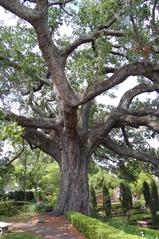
74	189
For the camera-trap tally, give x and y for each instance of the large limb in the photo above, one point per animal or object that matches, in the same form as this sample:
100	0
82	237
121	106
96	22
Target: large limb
31	122
130	94
130	152
134	69
54	61
42	141
89	38
39	20
118	119
20	10
85	112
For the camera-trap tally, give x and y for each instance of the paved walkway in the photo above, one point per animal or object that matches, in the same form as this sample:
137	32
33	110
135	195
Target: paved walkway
48	228
44	231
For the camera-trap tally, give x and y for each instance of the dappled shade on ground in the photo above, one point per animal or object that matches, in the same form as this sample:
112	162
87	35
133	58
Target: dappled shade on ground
49	227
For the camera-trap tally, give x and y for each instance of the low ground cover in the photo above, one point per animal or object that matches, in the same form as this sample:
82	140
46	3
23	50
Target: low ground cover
19	235
120	223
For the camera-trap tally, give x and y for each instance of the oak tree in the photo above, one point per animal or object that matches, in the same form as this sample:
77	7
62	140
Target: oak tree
110	41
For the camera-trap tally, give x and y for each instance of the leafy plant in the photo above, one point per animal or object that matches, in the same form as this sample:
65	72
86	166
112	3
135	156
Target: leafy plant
125	197
106	201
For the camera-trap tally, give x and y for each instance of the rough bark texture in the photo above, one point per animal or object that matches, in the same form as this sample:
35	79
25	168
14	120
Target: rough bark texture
74	190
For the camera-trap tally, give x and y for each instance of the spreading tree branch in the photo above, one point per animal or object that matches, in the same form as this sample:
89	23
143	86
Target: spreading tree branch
129	152
20	10
130	94
121	74
89	38
43	142
31	122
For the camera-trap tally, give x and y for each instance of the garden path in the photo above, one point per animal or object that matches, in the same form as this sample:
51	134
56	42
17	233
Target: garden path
48	227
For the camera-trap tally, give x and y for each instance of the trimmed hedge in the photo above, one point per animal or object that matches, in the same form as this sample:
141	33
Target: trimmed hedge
20	195
95	229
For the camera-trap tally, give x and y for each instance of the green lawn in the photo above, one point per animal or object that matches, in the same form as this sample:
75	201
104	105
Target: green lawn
20	217
19	235
121	224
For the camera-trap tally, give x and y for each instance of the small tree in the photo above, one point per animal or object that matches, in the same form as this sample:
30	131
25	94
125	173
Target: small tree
106	201
146	192
93	201
125	197
152	201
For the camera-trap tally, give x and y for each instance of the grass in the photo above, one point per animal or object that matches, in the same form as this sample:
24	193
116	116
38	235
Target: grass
19	235
24	215
121	224
20	217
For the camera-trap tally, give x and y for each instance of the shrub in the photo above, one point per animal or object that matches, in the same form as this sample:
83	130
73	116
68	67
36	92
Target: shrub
7	208
146	192
95	229
138	204
116	205
93	201
152	201
125	197
106	201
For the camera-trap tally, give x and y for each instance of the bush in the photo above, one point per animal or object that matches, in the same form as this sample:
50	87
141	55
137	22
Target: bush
116	205
95	229
7	208
138	204
125	197
93	201
106	201
152	201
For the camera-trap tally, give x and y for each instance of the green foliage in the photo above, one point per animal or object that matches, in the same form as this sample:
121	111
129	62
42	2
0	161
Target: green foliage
138	204
152	200
11	131
20	235
93	201
7	208
129	170
125	197
103	177
146	192
121	224
106	201
95	229
137	186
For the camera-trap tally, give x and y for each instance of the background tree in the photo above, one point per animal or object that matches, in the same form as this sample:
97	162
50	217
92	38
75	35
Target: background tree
54	87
